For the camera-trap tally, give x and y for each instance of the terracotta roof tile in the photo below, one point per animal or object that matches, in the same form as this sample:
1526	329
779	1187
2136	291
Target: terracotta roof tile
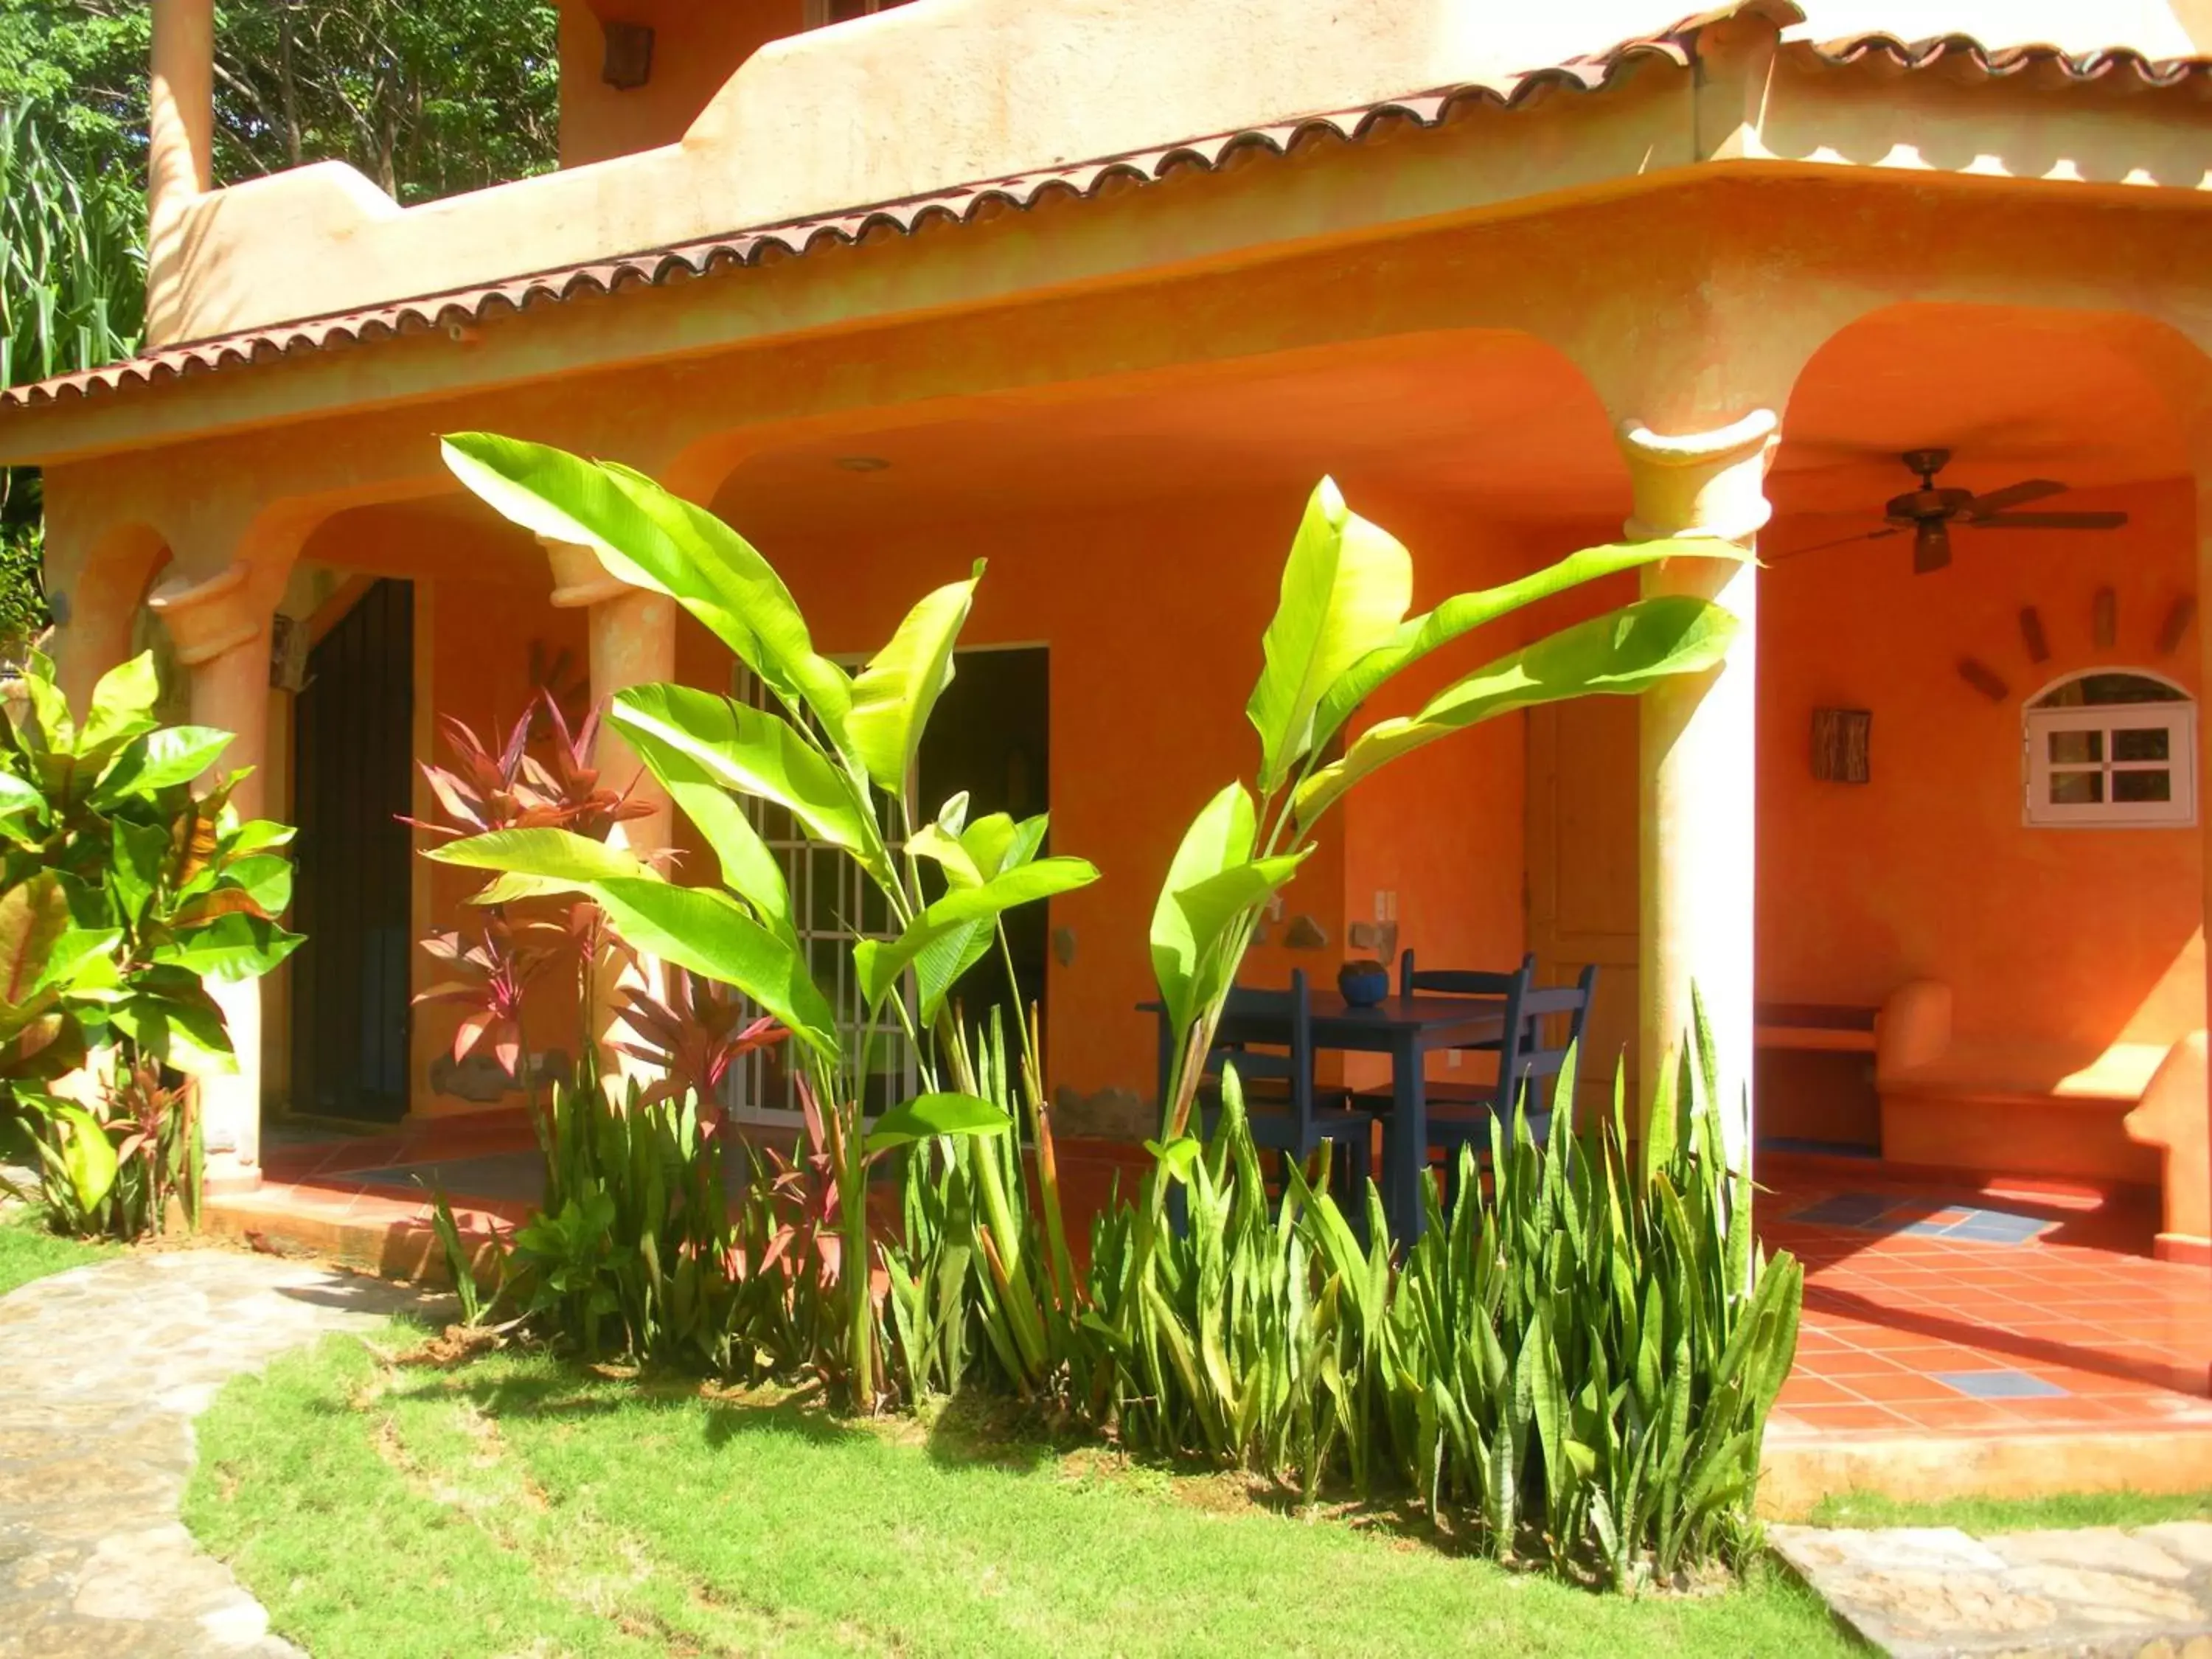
466	308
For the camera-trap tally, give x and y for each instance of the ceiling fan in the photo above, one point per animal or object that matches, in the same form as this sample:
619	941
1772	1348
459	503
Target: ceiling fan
1930	512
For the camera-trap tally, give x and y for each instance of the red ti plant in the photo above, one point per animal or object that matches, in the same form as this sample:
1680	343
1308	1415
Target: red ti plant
500	971
509	787
693	1037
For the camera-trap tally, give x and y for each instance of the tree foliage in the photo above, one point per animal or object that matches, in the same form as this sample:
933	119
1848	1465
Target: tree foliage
426	97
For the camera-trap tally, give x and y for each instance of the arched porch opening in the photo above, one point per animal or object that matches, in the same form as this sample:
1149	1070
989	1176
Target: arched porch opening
1948	980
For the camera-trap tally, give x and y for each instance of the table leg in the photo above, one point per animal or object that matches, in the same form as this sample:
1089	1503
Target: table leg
1406	1142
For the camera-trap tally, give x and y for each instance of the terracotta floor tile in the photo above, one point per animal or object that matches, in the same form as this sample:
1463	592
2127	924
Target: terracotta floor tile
1899	1388
1854	1419
1802	1390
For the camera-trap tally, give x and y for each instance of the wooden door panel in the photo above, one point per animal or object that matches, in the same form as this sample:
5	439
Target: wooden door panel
1583	878
353	729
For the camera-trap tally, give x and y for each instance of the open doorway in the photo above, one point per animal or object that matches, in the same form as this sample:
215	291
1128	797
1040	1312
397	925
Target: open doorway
352	735
991	735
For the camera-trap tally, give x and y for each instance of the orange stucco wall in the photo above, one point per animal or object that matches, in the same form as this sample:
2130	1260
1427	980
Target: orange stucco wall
1153	627
2063	936
696	49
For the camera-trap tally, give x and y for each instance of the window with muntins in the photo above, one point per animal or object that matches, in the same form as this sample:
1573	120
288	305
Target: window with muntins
2112	749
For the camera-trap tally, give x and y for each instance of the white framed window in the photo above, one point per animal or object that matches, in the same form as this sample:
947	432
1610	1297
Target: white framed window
829	897
2115	749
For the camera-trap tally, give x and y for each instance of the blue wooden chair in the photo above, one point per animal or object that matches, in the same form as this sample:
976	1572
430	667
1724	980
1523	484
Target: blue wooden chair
1460	1114
1282	1099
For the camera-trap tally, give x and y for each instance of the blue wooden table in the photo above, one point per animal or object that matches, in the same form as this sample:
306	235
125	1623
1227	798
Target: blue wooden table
1408	1028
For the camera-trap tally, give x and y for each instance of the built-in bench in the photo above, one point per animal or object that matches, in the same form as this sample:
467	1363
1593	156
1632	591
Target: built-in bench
1814	1063
2131	1113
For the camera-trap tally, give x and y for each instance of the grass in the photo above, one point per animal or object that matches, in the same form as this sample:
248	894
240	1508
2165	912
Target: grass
28	1251
518	1505
1981	1515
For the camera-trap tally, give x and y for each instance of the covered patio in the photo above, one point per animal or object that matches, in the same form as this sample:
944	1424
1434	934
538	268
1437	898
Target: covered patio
1464	321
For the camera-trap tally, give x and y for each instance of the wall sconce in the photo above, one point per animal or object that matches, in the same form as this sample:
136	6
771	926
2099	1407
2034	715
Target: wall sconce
1840	737
627	62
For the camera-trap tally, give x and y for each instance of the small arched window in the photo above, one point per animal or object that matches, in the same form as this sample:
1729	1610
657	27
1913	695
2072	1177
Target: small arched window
2114	748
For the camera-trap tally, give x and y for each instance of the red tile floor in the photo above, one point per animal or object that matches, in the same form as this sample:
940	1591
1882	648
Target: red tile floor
1933	1313
1990	1312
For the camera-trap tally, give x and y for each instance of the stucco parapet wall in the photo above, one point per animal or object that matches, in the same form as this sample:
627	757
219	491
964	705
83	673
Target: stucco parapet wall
360	242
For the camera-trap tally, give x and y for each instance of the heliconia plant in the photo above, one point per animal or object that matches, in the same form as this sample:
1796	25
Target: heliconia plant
123	884
837	752
1339	635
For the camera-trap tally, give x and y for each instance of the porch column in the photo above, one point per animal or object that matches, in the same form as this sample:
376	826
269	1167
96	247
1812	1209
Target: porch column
96	601
220	626
633	642
179	158
1697	755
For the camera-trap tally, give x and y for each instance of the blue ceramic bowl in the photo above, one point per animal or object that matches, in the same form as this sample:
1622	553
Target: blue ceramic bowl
1365	984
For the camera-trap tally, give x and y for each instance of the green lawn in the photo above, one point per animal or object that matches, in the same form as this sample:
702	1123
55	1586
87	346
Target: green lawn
28	1251
1993	1515
515	1505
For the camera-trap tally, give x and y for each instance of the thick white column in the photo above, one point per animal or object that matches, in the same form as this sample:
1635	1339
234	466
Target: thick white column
220	626
633	642
1697	755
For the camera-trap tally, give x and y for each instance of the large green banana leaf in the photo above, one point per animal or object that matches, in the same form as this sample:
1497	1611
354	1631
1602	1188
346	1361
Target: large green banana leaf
1623	653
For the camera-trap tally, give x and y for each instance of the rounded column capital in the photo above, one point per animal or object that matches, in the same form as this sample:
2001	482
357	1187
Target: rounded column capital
207	617
579	581
1708	483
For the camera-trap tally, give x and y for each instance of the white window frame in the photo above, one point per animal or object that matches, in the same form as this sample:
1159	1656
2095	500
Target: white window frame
2178	719
748	1091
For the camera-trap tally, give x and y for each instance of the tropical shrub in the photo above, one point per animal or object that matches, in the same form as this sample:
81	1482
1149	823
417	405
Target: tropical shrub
121	888
981	1286
1574	1362
837	753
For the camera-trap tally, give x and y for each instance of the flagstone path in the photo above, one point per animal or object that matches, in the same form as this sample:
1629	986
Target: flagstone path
102	1370
1933	1592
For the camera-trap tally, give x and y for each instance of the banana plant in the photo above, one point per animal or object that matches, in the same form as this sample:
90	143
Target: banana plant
837	753
1339	635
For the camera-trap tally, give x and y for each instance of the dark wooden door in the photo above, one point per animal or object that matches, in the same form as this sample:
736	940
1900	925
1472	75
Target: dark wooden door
991	735
352	733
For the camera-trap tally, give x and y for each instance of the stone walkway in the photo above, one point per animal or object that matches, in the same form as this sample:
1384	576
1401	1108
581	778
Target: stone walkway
102	1370
1932	1592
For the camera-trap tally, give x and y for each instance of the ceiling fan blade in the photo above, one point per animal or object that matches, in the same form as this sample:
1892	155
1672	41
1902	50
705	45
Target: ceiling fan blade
1932	546
1840	541
2050	521
2018	494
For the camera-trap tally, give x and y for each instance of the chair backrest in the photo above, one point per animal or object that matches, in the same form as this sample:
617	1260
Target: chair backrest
1461	981
1511	989
1292	1060
1536	1060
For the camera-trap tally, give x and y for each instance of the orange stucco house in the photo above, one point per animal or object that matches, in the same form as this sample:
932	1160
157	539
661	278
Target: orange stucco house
1096	289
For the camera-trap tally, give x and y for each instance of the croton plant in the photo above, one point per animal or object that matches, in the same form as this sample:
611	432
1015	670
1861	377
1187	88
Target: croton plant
122	888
